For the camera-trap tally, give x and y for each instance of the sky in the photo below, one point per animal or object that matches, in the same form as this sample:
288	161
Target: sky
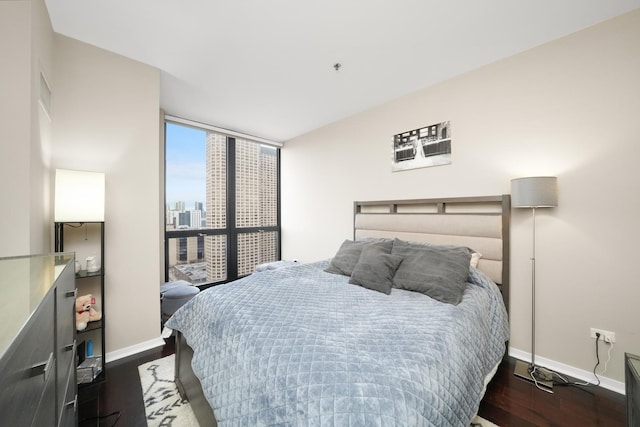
185	165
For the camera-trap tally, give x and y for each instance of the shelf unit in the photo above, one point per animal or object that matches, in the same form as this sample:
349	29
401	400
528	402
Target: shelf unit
87	239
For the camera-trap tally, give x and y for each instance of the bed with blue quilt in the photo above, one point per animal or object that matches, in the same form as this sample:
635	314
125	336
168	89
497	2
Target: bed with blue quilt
369	337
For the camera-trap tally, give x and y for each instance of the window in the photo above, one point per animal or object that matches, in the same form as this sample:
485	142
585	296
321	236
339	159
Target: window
222	205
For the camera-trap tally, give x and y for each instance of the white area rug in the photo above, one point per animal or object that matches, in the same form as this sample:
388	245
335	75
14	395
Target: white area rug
162	402
479	421
165	408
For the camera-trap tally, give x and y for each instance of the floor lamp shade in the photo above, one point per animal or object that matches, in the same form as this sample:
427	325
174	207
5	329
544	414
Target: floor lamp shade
79	196
534	192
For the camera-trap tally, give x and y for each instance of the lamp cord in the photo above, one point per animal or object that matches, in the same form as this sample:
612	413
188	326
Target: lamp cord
565	382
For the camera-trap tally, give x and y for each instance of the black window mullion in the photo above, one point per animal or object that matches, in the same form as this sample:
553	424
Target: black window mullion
232	234
278	213
247	230
195	232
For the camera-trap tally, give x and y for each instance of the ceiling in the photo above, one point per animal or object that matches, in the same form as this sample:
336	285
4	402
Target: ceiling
266	68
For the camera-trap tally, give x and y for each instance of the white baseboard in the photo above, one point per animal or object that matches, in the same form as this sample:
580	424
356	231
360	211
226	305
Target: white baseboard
608	383
134	349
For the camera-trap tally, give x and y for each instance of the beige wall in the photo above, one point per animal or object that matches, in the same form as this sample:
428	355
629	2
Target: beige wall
569	108
105	118
41	128
26	46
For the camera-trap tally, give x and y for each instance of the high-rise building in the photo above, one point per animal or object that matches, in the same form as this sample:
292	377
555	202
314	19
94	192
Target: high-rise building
184	219
216	205
195	218
256	203
172	219
256	178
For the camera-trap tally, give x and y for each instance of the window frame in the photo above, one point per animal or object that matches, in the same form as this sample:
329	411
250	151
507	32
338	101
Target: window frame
231	230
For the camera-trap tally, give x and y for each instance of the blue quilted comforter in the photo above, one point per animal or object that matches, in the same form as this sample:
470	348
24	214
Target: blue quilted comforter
300	347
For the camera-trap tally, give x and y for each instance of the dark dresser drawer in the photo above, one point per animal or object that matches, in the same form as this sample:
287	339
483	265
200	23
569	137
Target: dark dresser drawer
28	369
66	347
70	401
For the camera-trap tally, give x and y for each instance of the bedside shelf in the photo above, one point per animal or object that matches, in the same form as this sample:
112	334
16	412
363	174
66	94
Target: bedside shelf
86	239
83	274
91	326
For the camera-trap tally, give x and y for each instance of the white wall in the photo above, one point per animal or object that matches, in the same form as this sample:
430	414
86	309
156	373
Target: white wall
25	46
41	128
105	118
569	108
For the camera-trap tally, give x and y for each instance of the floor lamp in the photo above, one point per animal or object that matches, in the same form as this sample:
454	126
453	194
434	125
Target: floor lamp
79	196
533	193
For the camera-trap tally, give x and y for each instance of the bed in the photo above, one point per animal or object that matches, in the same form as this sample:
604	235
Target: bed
301	345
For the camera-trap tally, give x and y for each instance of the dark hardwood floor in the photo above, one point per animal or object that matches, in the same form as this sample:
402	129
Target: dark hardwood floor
513	401
509	400
118	400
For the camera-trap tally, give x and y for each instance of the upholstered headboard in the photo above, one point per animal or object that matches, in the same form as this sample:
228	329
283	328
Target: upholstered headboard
480	223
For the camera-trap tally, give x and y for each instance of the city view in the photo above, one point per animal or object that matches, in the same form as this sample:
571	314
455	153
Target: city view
197	197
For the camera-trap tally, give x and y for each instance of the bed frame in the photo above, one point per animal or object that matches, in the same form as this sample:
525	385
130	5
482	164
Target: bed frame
480	223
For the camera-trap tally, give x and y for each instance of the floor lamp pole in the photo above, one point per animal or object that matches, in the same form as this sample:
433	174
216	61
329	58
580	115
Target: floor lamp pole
531	372
533	292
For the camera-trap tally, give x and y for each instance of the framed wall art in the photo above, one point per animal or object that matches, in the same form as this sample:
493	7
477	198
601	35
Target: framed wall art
421	148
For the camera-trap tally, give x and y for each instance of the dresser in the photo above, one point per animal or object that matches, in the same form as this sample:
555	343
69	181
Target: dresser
37	341
632	388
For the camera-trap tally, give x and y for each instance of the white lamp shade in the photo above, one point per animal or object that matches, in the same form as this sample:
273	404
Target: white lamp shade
79	196
534	192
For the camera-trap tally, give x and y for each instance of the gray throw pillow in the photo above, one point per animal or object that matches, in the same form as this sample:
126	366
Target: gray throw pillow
440	272
347	256
375	269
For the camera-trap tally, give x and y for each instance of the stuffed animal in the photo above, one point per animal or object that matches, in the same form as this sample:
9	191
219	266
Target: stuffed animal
85	312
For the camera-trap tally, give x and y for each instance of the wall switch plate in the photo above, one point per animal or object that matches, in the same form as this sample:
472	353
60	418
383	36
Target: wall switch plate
606	336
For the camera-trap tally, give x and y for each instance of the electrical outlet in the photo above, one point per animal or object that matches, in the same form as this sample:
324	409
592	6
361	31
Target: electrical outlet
605	336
